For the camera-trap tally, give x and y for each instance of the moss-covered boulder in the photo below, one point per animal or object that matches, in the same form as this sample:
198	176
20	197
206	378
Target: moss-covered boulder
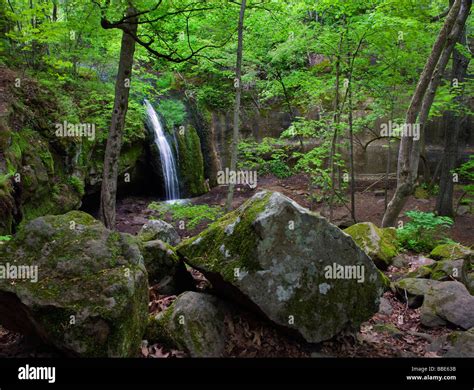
289	264
451	252
448	303
190	163
413	290
447	270
380	244
157	229
193	323
83	288
165	270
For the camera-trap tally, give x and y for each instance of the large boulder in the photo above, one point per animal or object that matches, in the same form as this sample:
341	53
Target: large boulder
83	288
165	270
193	323
157	229
289	264
380	244
448	302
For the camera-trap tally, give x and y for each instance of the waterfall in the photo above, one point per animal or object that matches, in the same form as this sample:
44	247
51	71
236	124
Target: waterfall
166	155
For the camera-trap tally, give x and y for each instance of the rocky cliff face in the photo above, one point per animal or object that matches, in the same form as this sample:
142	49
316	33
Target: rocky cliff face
51	148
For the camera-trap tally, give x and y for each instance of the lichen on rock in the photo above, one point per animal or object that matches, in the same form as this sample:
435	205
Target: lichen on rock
91	293
277	258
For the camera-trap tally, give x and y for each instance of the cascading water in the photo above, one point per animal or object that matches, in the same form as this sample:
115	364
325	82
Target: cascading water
166	155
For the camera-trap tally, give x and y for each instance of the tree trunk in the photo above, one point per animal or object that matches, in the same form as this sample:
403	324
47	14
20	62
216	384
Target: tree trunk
114	140
351	153
444	204
336	120
409	151
238	77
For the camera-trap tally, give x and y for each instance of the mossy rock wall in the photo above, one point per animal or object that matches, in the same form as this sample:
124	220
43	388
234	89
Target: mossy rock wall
190	163
42	173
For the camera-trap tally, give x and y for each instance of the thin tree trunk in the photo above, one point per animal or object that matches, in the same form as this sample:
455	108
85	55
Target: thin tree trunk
409	152
336	120
351	153
238	77
114	140
444	204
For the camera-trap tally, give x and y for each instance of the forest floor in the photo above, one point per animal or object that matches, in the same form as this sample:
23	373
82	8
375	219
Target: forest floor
394	332
132	212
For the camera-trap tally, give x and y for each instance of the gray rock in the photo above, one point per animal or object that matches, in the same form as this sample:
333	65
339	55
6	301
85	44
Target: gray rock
451	252
165	269
456	344
91	293
401	261
463	210
460	344
413	290
385	307
193	323
420	272
378	243
288	264
467	274
157	229
448	302
447	270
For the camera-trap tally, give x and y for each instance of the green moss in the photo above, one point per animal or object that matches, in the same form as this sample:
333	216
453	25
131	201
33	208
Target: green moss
380	244
450	252
420	272
301	305
77	184
385	280
191	163
129	156
421	193
209	248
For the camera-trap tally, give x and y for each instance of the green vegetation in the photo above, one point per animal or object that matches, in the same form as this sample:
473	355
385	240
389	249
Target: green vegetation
268	156
77	184
466	174
191	214
424	231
